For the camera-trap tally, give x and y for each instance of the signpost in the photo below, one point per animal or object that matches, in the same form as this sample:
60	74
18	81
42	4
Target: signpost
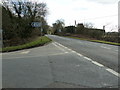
59	30
36	24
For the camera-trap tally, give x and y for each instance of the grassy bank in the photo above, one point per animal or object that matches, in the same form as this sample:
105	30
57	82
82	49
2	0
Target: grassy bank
39	42
99	41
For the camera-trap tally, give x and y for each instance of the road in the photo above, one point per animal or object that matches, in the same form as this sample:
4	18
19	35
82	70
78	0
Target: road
64	63
102	53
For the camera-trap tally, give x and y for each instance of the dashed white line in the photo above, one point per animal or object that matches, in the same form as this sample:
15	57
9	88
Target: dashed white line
79	54
69	49
88	58
97	63
73	51
94	62
113	72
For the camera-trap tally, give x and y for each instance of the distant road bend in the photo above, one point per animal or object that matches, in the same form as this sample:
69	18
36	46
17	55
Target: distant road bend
64	63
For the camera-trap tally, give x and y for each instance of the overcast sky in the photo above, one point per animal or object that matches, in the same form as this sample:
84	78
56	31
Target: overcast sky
98	12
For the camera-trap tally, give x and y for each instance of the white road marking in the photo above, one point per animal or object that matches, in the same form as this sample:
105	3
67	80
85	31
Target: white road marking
88	58
59	47
79	54
113	72
73	51
94	62
105	47
63	46
24	52
69	49
97	63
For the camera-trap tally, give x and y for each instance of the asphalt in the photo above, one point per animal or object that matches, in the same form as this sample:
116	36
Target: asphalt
56	66
103	53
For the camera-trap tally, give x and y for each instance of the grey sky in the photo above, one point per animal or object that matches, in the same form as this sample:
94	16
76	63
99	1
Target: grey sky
105	1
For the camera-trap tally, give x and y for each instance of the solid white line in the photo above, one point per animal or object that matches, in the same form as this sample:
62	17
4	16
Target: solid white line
113	72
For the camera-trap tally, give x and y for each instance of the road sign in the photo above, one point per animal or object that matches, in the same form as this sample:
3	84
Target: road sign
59	30
36	24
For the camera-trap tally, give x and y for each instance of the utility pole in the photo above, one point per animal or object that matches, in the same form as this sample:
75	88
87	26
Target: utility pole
75	25
41	25
104	27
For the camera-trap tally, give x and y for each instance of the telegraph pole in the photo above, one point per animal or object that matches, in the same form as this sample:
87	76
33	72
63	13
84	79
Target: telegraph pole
104	27
75	25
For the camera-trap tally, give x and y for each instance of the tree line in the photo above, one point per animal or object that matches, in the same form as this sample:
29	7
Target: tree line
17	18
84	30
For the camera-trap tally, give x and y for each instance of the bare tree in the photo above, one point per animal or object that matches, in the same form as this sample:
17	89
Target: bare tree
58	25
89	25
23	14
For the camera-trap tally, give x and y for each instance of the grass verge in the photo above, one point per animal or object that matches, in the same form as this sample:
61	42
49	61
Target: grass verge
99	41
39	42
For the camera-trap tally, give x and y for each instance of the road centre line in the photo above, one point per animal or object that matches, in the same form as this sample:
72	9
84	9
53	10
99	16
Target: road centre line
94	62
